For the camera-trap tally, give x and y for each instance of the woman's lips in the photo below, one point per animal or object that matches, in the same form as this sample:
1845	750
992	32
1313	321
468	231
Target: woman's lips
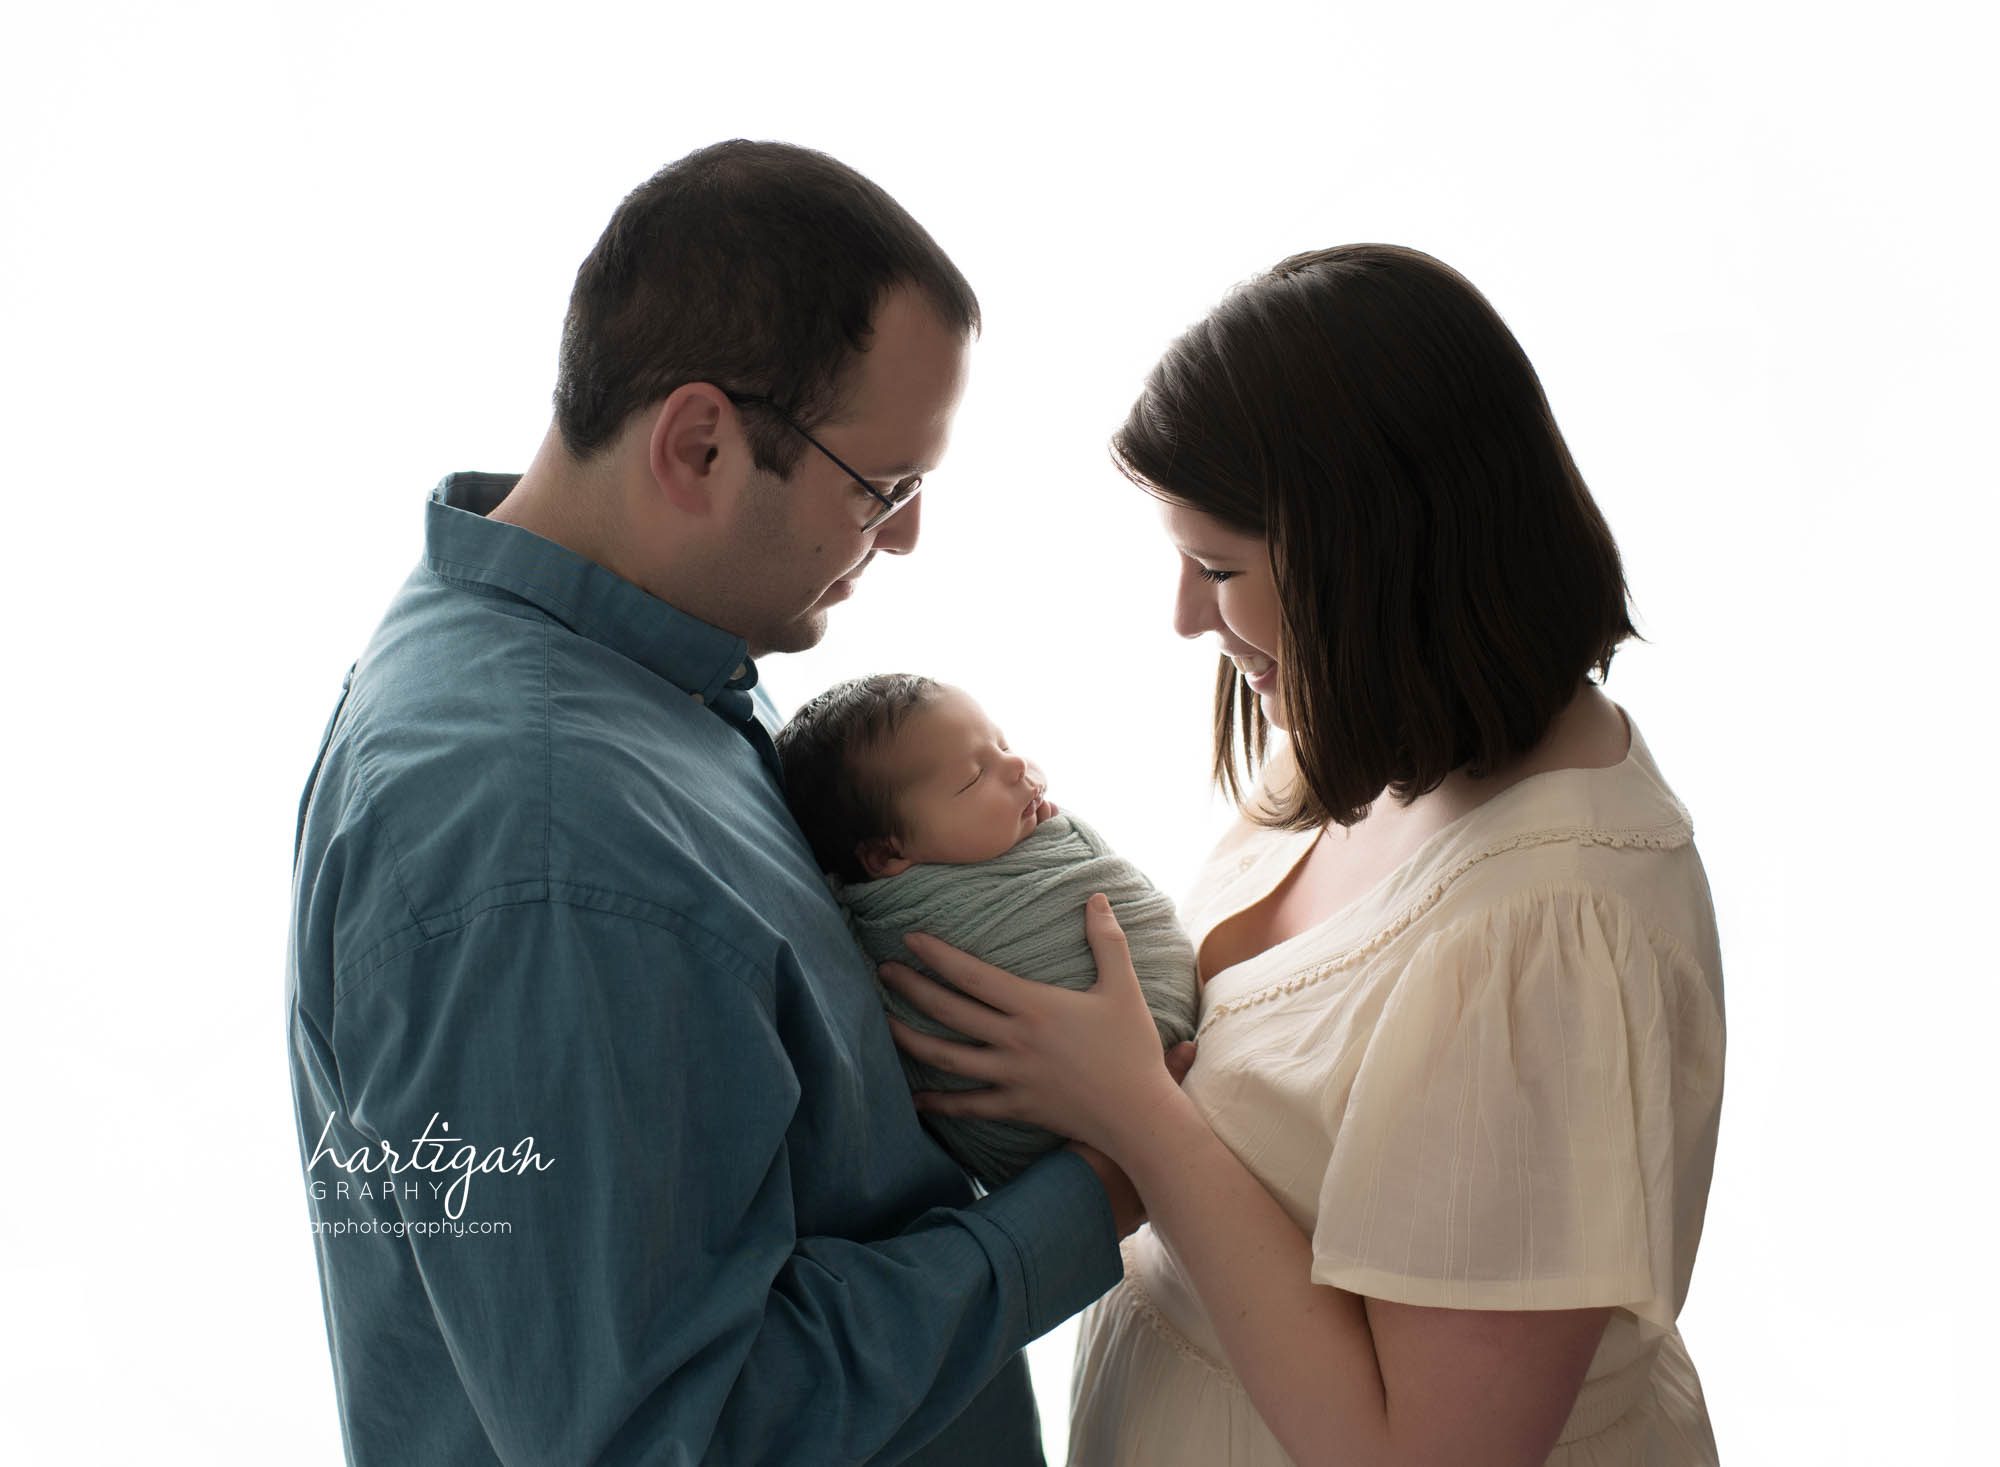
1259	671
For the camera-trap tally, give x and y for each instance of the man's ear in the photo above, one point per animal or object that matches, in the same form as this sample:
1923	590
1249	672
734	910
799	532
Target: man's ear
880	856
696	452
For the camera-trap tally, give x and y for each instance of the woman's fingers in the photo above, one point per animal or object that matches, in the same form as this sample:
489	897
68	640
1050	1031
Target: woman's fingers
972	1061
954	1010
1107	943
992	986
1180	1059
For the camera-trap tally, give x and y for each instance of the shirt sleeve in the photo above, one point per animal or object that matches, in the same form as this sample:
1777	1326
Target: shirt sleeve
650	1300
1543	1078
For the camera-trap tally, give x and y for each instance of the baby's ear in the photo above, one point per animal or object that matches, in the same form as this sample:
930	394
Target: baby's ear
879	857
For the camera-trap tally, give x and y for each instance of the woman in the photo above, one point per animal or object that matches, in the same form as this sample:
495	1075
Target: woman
1432	1189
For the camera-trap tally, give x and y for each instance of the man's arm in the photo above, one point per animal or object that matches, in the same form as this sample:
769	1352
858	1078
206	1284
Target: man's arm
652	1301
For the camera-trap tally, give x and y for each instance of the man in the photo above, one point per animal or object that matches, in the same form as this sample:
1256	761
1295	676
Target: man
610	1155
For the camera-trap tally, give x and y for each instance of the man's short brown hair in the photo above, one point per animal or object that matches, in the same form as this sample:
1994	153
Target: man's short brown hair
753	266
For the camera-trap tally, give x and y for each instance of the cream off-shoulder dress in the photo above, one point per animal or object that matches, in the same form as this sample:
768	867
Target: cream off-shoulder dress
1492	1082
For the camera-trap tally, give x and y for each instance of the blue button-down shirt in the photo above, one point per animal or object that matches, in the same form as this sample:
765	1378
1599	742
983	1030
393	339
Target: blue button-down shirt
609	1153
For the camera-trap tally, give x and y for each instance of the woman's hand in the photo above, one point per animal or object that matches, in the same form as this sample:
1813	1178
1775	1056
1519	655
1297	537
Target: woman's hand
1085	1065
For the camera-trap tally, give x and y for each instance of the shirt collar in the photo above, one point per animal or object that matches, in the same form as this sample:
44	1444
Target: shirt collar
462	545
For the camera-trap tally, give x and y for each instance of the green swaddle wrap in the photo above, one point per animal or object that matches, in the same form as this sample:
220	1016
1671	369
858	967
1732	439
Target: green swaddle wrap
1023	911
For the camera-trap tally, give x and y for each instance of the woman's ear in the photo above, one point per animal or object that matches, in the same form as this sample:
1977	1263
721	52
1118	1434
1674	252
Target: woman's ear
880	856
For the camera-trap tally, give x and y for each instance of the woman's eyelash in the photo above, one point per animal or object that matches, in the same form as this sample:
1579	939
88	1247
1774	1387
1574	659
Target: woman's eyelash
1216	575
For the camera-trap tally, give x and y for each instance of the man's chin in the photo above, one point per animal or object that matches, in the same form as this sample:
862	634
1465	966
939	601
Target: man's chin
798	635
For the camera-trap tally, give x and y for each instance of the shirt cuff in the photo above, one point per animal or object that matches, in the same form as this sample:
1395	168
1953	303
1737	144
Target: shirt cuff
1059	1220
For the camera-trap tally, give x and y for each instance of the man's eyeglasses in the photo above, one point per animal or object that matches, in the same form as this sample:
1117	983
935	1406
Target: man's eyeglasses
885	504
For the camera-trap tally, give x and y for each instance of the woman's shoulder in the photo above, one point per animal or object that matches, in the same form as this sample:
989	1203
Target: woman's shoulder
1624	803
1550	822
1619	831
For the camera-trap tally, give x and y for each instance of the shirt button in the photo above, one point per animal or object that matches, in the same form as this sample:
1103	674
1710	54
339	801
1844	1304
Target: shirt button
697	697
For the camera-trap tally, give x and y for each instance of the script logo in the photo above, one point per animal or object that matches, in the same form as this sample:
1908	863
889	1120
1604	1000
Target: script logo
436	1152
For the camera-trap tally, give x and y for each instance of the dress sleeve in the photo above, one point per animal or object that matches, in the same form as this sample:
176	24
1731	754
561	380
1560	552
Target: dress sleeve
1542	1077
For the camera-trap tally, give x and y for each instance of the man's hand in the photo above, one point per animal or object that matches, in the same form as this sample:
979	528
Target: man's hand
1127	1211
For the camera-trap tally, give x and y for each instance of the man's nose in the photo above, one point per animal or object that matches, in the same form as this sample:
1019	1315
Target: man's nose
898	535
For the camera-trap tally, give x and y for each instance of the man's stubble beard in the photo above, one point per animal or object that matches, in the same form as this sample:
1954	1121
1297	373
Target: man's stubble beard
800	634
767	536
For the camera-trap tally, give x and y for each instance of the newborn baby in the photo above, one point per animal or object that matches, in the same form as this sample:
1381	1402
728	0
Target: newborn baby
927	822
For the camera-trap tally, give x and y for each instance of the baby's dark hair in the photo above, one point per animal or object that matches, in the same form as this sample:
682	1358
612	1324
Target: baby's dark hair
836	804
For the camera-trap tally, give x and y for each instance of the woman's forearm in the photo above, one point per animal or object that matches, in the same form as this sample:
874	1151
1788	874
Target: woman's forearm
1302	1350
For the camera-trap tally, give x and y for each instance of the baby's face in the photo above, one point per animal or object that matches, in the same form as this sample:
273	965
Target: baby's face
963	795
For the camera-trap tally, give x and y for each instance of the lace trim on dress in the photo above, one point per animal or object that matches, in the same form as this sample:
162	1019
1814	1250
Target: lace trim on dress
1665	838
1186	1348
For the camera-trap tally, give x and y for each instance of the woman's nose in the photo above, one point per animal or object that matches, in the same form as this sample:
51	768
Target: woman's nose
1194	605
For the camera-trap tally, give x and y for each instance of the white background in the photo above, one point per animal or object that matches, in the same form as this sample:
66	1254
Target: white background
272	270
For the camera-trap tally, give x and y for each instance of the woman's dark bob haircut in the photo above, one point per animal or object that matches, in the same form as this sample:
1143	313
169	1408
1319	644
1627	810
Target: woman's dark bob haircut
1445	579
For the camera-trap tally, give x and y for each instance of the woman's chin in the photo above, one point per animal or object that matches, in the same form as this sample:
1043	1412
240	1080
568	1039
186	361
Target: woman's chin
1274	711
